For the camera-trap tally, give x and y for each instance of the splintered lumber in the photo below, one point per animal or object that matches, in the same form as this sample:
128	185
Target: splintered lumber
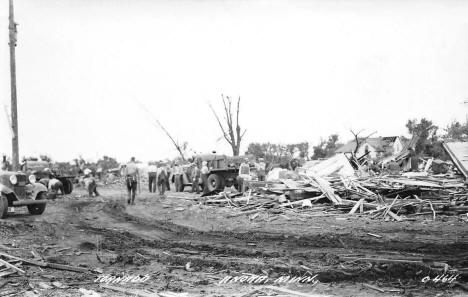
326	189
67	267
46	264
371	205
374	288
32	262
3	262
356	206
243	213
299	202
418	183
295	293
133	292
393	215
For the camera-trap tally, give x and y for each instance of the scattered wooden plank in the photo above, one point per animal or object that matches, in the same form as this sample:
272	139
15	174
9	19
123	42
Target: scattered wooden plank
3	262
68	267
393	215
296	293
356	206
299	202
374	288
133	292
242	213
31	262
374	235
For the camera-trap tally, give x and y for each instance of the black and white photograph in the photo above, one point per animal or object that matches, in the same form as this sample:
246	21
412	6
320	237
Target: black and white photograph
233	148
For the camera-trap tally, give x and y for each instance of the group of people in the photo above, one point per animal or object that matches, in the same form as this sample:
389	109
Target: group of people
158	178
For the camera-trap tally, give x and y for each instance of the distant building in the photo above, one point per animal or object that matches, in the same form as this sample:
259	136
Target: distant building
376	147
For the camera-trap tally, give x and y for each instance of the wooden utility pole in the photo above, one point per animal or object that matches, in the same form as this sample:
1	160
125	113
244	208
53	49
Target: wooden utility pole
14	113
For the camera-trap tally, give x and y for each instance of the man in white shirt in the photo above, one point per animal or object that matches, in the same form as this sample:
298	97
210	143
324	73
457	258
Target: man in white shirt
204	175
244	174
152	169
178	179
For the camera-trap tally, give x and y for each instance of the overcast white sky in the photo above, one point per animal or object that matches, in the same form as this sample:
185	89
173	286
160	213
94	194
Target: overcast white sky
304	70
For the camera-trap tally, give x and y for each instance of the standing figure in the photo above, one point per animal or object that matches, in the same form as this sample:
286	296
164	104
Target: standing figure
261	169
195	178
132	178
168	175
244	174
178	179
161	177
5	164
152	169
204	175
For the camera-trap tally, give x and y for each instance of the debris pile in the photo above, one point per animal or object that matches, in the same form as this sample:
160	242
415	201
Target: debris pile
335	187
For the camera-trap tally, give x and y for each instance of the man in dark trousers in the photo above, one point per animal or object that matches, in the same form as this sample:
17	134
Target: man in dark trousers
132	178
152	169
204	175
195	178
161	178
178	179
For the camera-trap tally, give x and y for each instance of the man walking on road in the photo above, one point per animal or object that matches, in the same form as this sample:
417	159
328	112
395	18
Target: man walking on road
178	179
152	177
161	177
132	177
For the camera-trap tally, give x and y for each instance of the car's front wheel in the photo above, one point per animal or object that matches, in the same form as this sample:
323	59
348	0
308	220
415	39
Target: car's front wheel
38	209
3	206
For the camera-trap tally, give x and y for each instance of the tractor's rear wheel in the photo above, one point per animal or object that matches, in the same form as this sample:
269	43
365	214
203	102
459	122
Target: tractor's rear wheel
215	182
38	209
3	206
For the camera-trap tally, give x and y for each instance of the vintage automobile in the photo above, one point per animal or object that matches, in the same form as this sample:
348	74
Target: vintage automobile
17	189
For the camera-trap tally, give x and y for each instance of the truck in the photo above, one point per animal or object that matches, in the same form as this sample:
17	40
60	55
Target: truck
17	189
37	168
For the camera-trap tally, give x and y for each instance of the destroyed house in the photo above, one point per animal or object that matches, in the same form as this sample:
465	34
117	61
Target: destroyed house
376	147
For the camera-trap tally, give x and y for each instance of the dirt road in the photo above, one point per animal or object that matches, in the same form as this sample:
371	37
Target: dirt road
183	246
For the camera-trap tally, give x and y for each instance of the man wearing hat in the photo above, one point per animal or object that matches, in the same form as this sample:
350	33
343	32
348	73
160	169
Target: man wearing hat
90	183
261	167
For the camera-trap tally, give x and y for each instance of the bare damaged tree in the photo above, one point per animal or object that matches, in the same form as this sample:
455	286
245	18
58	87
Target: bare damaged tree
179	148
356	138
232	131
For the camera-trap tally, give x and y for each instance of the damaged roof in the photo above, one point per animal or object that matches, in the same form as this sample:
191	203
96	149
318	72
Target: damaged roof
378	143
458	152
